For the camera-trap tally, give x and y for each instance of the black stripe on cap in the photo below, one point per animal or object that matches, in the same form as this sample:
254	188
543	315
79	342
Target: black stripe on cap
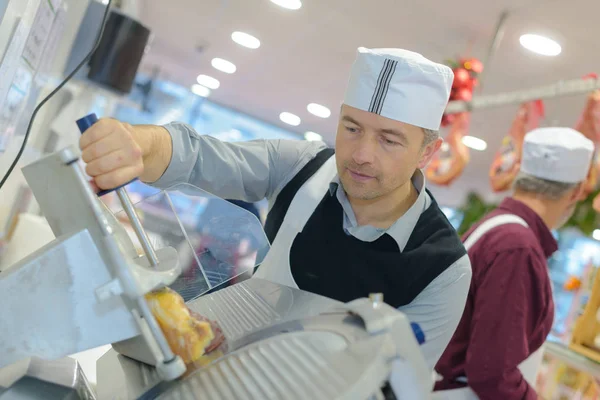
383	85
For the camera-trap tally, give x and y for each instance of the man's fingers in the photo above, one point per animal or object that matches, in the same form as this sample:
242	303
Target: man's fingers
101	129
108	163
102	147
118	177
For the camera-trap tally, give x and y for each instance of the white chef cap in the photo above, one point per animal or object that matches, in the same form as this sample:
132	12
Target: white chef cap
557	154
400	85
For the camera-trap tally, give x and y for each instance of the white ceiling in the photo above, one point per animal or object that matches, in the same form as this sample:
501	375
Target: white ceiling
305	55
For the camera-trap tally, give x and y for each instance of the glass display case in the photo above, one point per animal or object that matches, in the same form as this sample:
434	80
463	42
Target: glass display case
570	268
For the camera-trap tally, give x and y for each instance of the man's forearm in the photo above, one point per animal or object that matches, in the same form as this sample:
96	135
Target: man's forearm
157	150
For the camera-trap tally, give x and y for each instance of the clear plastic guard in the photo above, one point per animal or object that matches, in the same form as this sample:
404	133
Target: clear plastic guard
216	241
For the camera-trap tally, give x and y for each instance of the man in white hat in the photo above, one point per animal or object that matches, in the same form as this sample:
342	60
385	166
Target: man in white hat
496	350
341	226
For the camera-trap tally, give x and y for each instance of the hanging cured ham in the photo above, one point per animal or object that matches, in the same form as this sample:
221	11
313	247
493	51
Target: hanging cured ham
589	125
451	160
507	160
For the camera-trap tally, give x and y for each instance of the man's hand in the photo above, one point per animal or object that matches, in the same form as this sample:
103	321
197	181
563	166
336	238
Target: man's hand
112	155
116	152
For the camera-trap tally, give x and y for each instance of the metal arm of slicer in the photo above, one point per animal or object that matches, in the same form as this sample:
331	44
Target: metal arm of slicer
84	124
87	287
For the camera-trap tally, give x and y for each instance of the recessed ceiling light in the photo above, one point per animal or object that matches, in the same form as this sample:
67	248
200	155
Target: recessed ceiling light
223	65
540	44
318	110
596	234
313	136
474	143
289	118
200	90
246	40
289	4
208	81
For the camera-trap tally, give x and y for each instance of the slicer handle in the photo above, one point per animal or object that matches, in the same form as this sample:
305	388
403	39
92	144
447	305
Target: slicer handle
83	124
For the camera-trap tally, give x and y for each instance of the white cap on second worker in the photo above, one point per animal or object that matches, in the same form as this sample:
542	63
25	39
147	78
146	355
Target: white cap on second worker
400	85
557	154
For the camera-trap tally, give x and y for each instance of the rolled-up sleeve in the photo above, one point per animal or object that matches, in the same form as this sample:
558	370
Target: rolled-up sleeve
248	171
439	308
507	301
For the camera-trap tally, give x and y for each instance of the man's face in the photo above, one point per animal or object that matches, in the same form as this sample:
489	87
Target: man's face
375	155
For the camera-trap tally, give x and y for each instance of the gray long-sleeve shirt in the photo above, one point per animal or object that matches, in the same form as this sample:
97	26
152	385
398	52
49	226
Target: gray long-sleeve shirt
258	169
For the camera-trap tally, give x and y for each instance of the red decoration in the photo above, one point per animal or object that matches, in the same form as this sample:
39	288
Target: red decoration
461	78
464	94
466	71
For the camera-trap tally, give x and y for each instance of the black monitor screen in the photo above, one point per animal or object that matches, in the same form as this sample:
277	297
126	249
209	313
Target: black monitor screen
116	61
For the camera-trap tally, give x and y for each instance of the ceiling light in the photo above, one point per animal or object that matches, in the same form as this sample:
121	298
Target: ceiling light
474	143
289	118
246	40
318	110
445	146
313	136
200	90
208	81
289	4
540	44
223	65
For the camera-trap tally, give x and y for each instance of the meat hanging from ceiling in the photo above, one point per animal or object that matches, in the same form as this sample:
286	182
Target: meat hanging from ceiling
589	125
506	163
449	163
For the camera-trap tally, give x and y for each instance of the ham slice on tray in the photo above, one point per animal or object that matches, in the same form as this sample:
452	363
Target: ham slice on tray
450	161
589	125
507	160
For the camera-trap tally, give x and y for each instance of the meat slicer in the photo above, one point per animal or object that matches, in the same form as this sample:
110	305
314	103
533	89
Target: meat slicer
87	289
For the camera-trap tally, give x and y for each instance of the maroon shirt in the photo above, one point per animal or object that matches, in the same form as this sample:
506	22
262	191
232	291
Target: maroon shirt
509	310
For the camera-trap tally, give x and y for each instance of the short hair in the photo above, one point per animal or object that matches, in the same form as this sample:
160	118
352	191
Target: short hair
430	136
547	189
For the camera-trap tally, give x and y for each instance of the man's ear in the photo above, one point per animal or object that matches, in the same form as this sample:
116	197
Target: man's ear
428	152
579	192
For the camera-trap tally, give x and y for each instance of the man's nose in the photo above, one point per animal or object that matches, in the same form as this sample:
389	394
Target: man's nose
365	150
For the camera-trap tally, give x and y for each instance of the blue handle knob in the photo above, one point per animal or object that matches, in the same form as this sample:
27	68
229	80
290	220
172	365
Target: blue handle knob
419	334
84	124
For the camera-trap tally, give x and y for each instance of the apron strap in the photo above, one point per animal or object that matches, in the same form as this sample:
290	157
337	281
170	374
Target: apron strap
490	224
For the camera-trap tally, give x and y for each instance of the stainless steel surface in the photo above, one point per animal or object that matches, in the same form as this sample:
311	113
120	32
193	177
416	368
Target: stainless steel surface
39	379
255	304
49	308
290	366
244	311
137	226
376	298
282	343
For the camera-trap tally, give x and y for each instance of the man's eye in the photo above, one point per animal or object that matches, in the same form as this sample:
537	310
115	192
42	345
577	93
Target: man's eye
390	142
351	130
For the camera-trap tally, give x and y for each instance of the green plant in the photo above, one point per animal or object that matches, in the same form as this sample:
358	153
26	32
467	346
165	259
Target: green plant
473	210
584	218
